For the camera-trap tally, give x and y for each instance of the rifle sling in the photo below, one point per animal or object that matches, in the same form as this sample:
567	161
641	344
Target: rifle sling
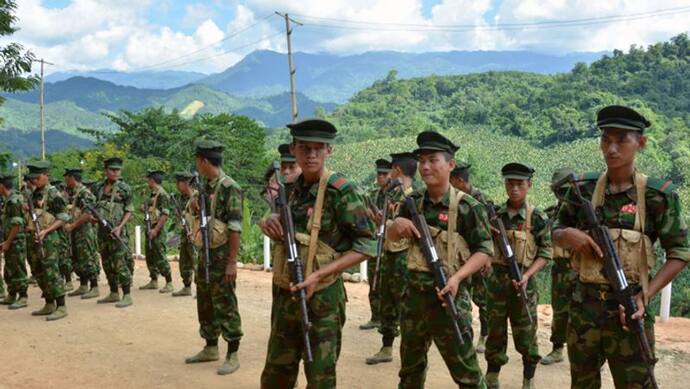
314	224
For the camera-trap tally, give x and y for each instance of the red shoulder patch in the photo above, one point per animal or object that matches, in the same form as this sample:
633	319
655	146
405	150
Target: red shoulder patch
339	182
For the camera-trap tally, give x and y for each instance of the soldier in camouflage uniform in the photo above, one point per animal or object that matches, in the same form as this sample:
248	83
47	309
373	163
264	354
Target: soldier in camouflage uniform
460	179
216	299
448	212
158	203
393	277
114	203
563	281
82	235
638	211
530	237
345	238
51	211
376	197
14	244
66	265
189	256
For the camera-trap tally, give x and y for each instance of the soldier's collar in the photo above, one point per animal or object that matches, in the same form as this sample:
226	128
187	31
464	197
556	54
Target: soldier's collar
445	200
216	180
522	212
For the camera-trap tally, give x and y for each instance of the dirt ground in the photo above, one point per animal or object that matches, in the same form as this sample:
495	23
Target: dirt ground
144	346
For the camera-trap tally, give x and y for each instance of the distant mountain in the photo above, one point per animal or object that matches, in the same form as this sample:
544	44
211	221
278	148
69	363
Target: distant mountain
332	78
26	144
165	79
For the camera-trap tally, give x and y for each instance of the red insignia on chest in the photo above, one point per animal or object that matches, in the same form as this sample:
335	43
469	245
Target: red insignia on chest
443	217
629	208
310	211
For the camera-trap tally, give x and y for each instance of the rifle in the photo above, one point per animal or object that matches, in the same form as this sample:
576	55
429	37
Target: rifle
613	270
183	220
507	252
107	226
294	261
380	236
147	219
203	227
434	262
37	226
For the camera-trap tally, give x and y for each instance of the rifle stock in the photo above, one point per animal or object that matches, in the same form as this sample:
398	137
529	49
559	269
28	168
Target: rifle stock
107	226
37	226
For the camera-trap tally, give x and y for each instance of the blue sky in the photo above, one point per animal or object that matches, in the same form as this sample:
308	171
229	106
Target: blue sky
201	35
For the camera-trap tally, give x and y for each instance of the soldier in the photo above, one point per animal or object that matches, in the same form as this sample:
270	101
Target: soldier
448	212
318	198
114	202
563	281
26	190
288	164
49	243
158	204
376	196
460	179
82	235
14	244
216	301
638	211
66	267
529	235
393	277
189	257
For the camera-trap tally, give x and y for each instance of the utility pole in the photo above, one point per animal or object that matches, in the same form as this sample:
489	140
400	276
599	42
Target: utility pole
293	94
42	112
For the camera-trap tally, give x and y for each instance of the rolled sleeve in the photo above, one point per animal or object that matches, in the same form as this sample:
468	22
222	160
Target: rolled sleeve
353	220
474	227
673	231
233	207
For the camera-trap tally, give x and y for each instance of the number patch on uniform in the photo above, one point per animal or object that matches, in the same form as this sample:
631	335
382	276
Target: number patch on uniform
443	217
629	208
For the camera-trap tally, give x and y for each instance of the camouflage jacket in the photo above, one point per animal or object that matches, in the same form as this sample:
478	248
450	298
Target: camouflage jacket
226	205
540	227
79	198
13	214
115	203
161	199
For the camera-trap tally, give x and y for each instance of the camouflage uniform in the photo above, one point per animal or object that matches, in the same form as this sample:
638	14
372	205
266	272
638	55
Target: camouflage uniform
344	227
15	258
478	283
504	303
47	268
189	257
156	249
595	334
423	318
216	301
118	264
83	238
377	198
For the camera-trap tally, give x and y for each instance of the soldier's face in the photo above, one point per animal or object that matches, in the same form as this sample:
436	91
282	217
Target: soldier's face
112	174
183	186
620	146
517	190
434	168
151	183
311	156
381	178
458	183
70	182
40	181
289	169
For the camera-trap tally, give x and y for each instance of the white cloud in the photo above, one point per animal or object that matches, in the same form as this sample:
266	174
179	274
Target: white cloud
197	13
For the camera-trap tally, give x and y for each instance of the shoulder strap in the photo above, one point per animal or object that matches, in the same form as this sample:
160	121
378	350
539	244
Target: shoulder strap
528	217
314	224
640	219
455	197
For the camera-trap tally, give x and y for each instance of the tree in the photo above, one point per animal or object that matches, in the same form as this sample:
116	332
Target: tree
15	62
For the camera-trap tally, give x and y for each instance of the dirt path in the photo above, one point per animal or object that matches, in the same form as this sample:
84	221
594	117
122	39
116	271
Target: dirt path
145	345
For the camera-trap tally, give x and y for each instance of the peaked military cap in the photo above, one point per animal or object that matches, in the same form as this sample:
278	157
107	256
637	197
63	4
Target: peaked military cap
618	116
313	130
155	173
113	163
460	167
285	155
37	168
433	141
183	175
383	166
400	157
70	171
559	175
209	148
517	171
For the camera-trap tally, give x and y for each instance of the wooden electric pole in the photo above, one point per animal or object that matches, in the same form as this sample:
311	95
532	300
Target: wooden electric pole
41	109
293	93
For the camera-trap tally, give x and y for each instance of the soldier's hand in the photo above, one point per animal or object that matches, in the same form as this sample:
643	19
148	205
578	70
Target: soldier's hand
68	227
5	246
230	272
450	288
486	269
639	315
579	241
152	234
309	284
40	236
522	283
117	231
272	227
405	228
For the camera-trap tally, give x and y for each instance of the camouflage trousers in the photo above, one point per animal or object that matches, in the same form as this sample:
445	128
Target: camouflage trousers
118	263
15	267
505	305
156	256
391	288
563	280
85	253
595	336
423	320
285	345
46	268
374	302
189	260
65	263
478	291
216	301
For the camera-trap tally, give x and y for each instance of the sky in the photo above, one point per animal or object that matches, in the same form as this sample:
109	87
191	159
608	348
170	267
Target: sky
209	36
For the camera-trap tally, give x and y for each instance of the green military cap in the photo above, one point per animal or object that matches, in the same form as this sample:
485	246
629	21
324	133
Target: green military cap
560	174
400	157
209	148
154	173
460	167
313	130
72	170
383	166
113	163
55	181
37	168
285	155
517	171
183	175
618	116
433	141
25	177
